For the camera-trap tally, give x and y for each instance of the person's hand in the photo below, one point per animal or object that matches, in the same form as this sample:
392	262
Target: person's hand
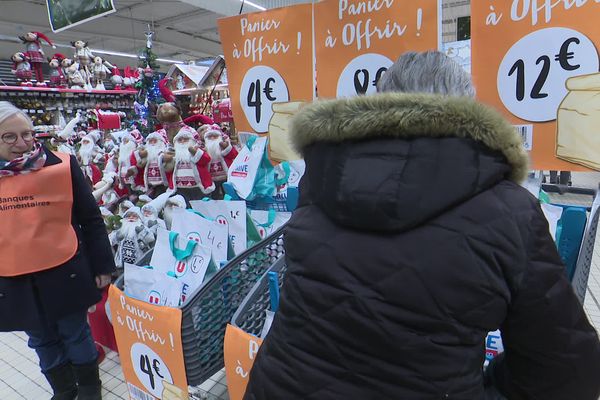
103	281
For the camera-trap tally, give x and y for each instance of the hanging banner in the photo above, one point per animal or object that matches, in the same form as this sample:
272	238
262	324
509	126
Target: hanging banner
239	352
269	60
537	62
356	41
65	14
150	348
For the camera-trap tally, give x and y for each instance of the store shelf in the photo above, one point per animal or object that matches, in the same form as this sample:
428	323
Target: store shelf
58	90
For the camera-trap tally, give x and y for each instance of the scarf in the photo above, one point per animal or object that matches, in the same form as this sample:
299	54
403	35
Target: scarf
29	162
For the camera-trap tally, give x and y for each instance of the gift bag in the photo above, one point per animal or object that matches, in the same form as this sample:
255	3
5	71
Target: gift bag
287	176
280	147
578	122
267	222
152	286
243	170
231	214
200	229
191	265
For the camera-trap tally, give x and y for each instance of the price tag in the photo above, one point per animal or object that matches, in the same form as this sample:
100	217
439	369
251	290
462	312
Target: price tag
150	369
532	75
362	74
261	87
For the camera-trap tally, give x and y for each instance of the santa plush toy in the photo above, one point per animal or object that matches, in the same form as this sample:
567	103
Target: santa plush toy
187	169
169	115
124	167
133	238
172	203
221	153
152	210
150	176
87	155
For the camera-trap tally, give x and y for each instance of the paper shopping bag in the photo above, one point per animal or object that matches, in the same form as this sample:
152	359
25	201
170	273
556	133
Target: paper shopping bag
232	214
202	230
147	284
192	264
243	170
578	122
267	222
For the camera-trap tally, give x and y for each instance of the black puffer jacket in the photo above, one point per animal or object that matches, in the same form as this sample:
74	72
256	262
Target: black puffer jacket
412	241
28	301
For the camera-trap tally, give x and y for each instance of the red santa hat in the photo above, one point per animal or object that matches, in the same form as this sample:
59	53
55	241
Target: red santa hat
59	57
199	118
40	35
213	130
165	91
156	135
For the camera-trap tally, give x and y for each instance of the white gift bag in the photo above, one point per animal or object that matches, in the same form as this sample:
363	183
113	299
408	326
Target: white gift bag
268	222
147	284
191	264
202	230
243	170
232	214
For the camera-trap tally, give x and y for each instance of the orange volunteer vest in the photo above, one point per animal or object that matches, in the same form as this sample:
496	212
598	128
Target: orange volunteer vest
35	220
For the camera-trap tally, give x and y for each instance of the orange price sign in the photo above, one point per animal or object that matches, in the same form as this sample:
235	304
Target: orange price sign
357	40
239	351
150	348
269	60
537	62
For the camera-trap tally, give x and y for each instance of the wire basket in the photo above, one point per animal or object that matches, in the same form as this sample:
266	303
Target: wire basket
250	316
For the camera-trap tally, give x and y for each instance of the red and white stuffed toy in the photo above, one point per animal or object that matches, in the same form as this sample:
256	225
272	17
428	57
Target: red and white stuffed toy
35	53
87	155
57	74
221	153
148	163
22	68
188	167
125	171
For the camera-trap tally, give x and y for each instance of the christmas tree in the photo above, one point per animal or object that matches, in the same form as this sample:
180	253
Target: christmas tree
148	96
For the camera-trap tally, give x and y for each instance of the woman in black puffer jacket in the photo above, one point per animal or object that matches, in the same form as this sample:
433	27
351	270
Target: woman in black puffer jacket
412	240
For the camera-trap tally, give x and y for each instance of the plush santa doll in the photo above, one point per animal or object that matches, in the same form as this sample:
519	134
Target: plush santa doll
222	154
187	169
133	237
125	170
172	202
150	176
86	155
152	210
35	53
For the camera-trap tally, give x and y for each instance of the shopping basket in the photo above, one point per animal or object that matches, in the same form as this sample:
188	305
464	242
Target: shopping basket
250	316
208	310
581	240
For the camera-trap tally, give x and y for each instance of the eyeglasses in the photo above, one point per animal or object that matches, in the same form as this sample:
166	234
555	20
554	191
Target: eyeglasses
11	137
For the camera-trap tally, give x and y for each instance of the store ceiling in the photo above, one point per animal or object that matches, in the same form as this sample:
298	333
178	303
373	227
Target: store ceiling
184	30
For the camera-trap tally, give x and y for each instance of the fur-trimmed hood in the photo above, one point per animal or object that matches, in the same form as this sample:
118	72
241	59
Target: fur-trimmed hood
391	162
409	116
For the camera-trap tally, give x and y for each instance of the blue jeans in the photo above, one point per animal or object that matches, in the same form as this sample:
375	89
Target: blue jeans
66	340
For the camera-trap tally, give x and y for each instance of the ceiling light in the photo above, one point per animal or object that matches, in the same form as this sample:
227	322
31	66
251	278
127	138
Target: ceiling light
253	5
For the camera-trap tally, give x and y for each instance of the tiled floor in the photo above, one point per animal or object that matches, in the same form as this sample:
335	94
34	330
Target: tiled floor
20	378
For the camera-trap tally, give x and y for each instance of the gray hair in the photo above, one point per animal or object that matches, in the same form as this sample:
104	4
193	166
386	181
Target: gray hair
428	72
8	110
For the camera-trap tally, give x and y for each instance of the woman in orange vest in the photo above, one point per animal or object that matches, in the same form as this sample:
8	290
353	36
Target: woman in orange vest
55	256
